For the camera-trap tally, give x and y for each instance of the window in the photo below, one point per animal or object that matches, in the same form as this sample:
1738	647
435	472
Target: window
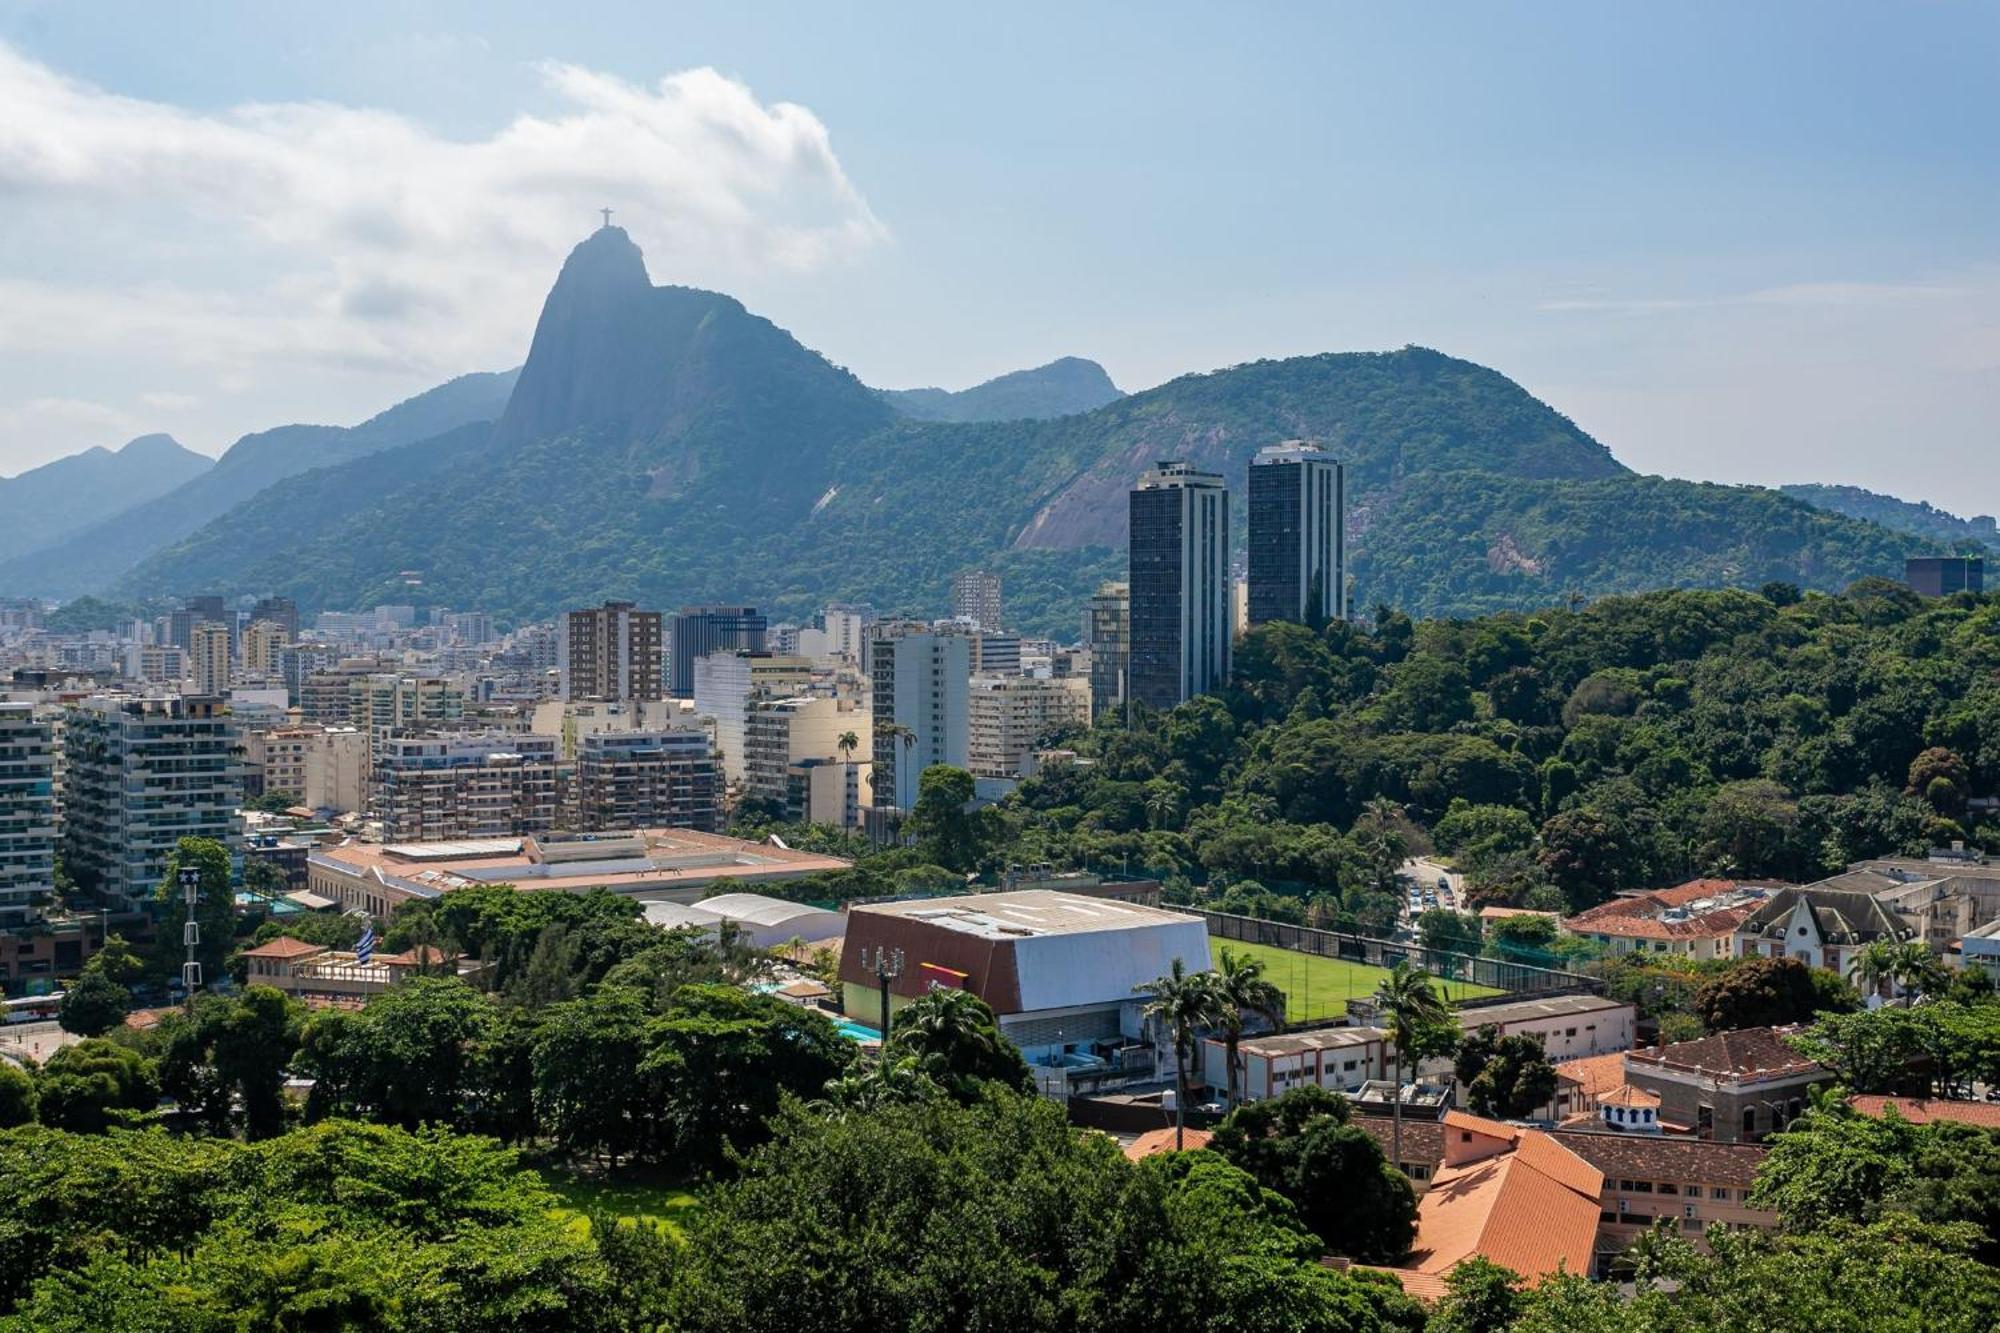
1465	1136
1569	1032
1668	1187
1749	1121
1607	1217
1718	1192
1642	1187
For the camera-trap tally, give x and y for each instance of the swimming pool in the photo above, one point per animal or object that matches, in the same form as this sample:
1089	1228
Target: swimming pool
854	1031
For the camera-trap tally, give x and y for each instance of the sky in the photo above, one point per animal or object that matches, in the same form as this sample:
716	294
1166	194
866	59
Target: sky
1742	243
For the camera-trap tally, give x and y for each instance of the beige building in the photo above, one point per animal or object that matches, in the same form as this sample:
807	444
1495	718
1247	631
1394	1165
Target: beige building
337	771
727	684
647	779
571	722
1008	718
1696	920
326	693
279	760
1691	1184
156	663
387	701
786	744
1337	1059
432	788
208	653
263	641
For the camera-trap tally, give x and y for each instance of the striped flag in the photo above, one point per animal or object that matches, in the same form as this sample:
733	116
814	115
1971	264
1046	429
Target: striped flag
364	949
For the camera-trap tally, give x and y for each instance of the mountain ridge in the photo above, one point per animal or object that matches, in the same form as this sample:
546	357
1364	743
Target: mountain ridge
1062	387
1915	518
45	504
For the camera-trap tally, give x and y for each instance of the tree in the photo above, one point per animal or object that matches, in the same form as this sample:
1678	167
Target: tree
1441	930
1896	1049
956	1041
91	1086
589	1096
1482	1297
215	907
17	1096
1903	967
94	1004
407	1059
945	830
1509	1078
1584	854
1416	1023
847	744
1184	1003
1242	991
227	1063
1770	992
1303	1146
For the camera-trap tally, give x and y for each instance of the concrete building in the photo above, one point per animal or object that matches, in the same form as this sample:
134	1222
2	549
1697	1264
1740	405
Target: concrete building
1732	1087
1179	574
847	629
701	631
761	922
384	702
1934	576
728	684
1694	1185
280	611
278	760
326	693
1941	898
975	596
326	978
296	661
337	773
1821	926
431	788
647	779
208	656
611	652
788	742
27	811
1569	1026
1107	629
263	648
653	865
1696	920
1272	1064
992	654
181	623
156	663
919	698
571	722
1059	970
140	775
1009	718
1298	535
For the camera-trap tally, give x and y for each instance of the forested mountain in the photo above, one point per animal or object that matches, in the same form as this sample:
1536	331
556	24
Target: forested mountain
1916	518
47	503
94	556
667	445
1063	387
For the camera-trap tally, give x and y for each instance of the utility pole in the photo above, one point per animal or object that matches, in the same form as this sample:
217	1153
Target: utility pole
190	881
887	965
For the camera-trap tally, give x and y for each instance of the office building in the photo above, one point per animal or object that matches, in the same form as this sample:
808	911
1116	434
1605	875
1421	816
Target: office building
994	654
1298	536
1931	576
647	779
701	631
804	746
181	623
919	700
27	811
431	788
975	596
263	644
139	775
1180	595
727	684
208	652
280	611
612	652
1011	717
1107	628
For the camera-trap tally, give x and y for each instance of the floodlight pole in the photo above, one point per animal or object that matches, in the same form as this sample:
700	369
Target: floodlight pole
887	965
190	882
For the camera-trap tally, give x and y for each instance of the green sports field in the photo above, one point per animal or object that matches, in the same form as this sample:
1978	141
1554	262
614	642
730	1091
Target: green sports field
1319	988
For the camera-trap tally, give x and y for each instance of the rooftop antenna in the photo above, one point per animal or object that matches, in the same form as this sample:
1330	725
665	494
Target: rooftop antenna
607	215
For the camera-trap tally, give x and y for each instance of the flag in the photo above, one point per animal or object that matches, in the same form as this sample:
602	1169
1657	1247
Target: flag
364	949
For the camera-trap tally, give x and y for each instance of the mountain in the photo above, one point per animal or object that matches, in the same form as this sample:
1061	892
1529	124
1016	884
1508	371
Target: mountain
47	503
91	557
1915	518
1062	388
667	445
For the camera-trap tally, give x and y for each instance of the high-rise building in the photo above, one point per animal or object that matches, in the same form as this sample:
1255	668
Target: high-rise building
1107	633
700	631
388	701
1298	535
264	643
139	775
784	740
1179	573
208	648
994	654
181	623
281	611
975	596
727	684
1008	718
611	652
27	811
919	699
647	779
337	771
432	788
325	691
278	760
156	663
1934	576
846	629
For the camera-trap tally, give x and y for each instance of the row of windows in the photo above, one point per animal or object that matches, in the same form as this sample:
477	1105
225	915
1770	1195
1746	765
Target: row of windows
1721	1193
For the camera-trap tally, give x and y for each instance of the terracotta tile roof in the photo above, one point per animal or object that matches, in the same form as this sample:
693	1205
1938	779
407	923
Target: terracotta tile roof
1479	1124
1423	1140
1594	1073
1627	1095
1162	1140
1533	1210
284	947
1745	1054
1502	913
1427	1288
1925	1110
1715	925
1651	1157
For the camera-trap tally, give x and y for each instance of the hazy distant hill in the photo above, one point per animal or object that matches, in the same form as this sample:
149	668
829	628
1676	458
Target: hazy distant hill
1062	388
1913	517
48	503
666	444
92	557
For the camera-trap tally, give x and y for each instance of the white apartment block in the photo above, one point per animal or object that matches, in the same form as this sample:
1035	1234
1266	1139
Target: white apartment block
27	810
1010	717
432	788
725	686
786	742
919	702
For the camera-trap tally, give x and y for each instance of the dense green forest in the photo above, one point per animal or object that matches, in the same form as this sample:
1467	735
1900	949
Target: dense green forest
1916	518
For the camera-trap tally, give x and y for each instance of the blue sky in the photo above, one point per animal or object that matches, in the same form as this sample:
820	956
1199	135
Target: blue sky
1744	243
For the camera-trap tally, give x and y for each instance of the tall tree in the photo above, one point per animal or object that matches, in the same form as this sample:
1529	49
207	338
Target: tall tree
1416	1023
956	1041
1242	991
1184	1003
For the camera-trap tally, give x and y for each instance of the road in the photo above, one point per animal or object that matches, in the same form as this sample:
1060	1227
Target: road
34	1041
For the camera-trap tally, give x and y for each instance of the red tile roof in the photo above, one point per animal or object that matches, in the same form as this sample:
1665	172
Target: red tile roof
1594	1074
1638	916
1162	1140
1627	1095
1747	1053
1925	1110
1653	1157
284	947
1533	1209
1427	1288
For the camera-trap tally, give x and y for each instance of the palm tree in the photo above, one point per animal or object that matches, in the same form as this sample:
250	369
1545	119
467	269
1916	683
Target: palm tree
847	745
1241	989
1412	1014
1185	1002
956	1040
1906	966
1872	966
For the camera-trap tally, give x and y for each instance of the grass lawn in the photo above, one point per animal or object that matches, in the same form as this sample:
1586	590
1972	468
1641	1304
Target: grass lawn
1318	988
632	1199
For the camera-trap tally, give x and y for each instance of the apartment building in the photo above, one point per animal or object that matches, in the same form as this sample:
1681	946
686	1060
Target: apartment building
727	684
975	596
647	779
264	642
140	775
325	692
156	663
208	653
919	698
278	760
786	740
1697	920
27	811
612	652
1008	718
431	788
1107	628
383	702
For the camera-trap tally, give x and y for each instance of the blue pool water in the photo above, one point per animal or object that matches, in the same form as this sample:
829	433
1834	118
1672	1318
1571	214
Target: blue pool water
854	1031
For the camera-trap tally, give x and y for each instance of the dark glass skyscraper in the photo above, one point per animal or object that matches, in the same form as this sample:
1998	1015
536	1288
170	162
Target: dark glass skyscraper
1298	535
1179	559
701	630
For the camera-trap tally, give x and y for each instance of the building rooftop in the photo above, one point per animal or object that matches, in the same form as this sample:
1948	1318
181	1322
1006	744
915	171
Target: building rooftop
1747	1054
1594	1074
1162	1140
1423	1140
1698	909
1531	1207
1027	913
1926	1110
1842	916
284	947
1655	1157
1277	1045
1627	1095
1522	1011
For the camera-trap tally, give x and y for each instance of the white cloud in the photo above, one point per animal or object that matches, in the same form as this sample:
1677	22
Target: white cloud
170	402
312	237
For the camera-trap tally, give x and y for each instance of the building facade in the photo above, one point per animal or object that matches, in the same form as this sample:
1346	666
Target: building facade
1179	575
919	696
786	741
975	596
432	788
208	653
385	702
700	631
612	652
1008	718
27	811
1297	536
1107	631
647	779
728	684
263	648
1732	1087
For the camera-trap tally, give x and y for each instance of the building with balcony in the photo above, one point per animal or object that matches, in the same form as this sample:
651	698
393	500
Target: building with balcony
613	652
647	779
919	699
27	811
728	685
1009	718
793	751
432	788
